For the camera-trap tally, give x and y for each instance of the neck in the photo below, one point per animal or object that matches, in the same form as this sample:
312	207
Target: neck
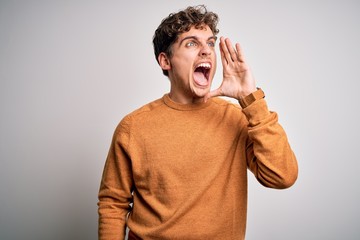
185	99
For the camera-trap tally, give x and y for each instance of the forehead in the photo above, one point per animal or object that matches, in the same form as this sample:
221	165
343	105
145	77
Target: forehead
201	32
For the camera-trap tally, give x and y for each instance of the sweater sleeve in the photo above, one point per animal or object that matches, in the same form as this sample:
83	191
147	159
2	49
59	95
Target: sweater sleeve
116	186
269	155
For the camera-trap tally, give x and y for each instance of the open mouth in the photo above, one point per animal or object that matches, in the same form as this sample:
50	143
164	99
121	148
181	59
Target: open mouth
202	73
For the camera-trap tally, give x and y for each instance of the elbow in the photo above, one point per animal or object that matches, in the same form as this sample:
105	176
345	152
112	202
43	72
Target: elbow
292	174
280	179
288	174
288	178
287	181
279	182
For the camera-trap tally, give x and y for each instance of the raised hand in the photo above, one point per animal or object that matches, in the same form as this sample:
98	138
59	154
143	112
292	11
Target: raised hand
238	81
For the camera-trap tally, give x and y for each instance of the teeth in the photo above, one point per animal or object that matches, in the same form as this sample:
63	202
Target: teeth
204	65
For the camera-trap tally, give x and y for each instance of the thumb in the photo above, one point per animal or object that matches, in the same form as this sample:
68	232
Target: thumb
214	93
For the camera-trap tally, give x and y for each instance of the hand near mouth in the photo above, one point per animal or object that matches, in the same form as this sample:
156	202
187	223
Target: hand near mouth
238	81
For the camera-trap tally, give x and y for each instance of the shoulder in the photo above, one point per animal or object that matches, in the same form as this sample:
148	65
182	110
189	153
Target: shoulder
141	113
227	104
149	107
230	112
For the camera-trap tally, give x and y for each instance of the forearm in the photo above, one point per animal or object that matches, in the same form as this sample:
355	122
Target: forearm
115	194
112	217
270	156
114	202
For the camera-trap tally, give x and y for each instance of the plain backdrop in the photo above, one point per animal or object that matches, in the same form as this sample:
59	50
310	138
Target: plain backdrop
71	70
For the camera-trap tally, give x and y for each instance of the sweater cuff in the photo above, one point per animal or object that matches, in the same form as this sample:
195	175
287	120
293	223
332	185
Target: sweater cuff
252	97
256	112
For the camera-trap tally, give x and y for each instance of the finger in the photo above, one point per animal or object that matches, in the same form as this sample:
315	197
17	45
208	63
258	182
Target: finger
215	93
239	52
231	50
224	61
224	50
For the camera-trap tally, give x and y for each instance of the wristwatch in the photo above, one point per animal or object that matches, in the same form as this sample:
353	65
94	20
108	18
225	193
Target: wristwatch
252	97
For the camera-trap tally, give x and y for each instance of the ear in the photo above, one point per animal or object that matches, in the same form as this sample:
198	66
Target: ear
164	61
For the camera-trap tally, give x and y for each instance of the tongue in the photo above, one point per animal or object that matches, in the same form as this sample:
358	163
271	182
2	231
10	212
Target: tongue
200	78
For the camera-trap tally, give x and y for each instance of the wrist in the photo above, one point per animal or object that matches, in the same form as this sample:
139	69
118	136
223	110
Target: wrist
251	97
244	94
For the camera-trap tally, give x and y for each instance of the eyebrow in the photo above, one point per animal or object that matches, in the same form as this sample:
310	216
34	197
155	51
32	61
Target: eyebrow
196	38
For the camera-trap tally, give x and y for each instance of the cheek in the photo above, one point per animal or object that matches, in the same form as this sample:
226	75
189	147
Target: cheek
214	66
182	62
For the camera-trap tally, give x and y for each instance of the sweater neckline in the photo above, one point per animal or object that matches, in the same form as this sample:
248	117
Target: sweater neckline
185	107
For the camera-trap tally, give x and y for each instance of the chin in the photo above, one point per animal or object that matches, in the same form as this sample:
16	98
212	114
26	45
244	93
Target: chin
201	92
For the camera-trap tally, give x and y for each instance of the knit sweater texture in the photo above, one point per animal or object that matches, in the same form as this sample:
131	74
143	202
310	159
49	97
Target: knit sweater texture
179	171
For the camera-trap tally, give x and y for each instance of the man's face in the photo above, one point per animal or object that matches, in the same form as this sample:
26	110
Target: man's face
192	65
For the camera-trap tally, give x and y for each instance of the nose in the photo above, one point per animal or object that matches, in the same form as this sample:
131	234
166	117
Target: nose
205	51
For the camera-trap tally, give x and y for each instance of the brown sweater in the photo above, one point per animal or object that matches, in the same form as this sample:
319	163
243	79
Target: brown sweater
184	168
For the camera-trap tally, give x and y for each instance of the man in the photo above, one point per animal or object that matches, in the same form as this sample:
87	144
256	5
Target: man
177	167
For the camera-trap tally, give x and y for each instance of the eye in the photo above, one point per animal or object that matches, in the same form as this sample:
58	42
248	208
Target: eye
211	44
191	44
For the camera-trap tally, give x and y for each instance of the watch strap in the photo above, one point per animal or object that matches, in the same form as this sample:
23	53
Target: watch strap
252	97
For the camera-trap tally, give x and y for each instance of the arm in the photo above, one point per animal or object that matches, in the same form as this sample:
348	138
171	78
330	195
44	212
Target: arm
269	155
116	187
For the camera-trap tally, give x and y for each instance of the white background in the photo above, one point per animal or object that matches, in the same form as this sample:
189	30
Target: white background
70	70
